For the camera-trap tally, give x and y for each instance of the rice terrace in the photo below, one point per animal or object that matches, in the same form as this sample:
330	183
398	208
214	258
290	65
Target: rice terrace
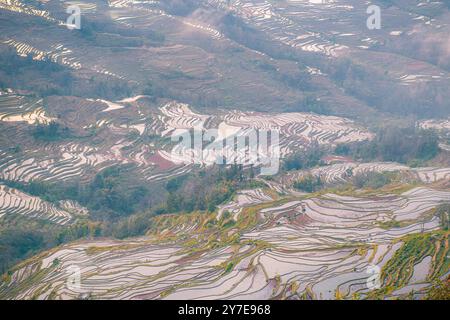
224	150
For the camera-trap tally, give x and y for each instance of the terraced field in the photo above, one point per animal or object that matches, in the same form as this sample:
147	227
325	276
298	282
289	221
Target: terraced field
244	198
58	53
19	108
61	161
14	202
196	45
121	92
296	130
343	172
305	25
317	247
18	6
443	125
126	123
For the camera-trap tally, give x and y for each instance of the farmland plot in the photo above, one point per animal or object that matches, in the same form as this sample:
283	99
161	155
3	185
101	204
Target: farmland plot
296	130
295	248
443	125
343	172
158	160
14	202
14	108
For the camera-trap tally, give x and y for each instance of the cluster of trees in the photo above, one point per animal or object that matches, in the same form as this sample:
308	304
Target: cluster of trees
443	212
41	76
373	180
305	159
344	70
18	243
104	87
110	192
154	90
131	226
409	145
205	190
20	238
310	103
118	208
309	183
110	195
51	132
180	7
104	32
120	205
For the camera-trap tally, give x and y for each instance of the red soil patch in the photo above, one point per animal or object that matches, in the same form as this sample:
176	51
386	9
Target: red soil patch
161	162
302	220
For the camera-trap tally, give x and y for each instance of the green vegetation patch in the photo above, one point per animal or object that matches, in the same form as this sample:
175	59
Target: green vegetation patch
399	269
